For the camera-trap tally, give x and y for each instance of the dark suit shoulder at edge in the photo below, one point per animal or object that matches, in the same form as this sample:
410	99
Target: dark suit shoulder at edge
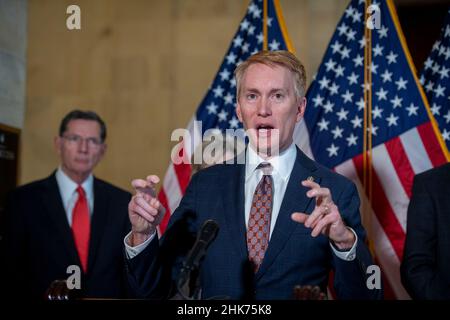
37	185
33	185
437	173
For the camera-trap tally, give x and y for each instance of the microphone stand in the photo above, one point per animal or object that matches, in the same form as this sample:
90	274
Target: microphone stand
205	236
183	287
183	290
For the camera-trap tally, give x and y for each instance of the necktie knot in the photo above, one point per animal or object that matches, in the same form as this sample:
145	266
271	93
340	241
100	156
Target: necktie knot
80	191
266	168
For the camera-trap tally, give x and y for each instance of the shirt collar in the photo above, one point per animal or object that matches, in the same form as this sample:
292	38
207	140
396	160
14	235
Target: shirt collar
67	186
282	164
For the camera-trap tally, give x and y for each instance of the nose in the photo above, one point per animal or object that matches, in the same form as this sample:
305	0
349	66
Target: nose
264	108
83	146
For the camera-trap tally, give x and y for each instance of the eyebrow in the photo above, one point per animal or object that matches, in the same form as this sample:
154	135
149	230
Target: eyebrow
76	134
278	90
271	91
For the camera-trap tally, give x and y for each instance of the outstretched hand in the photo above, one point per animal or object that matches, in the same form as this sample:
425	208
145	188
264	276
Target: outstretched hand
325	218
144	210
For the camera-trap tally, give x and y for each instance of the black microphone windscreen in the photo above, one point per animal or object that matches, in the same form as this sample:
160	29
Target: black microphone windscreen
208	231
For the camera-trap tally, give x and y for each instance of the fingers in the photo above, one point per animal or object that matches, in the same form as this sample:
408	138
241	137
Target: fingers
320	220
325	218
299	217
153	179
324	202
146	187
316	191
306	218
318	212
138	183
135	207
149	210
310	184
322	225
150	207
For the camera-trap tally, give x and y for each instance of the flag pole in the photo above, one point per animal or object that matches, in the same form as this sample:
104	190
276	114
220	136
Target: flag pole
365	127
282	24
265	25
367	144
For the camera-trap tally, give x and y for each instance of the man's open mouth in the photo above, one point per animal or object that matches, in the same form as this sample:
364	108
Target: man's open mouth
264	128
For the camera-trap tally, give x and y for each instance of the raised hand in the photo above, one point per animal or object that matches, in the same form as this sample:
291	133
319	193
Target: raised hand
325	218
144	210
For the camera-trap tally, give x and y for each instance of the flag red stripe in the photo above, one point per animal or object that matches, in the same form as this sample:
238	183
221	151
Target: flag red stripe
183	175
401	163
331	285
183	172
389	294
431	144
383	209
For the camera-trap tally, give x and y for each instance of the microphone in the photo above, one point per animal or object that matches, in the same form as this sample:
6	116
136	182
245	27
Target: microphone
205	237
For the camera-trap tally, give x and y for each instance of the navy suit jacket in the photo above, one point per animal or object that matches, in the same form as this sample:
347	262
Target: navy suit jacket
425	267
293	256
39	246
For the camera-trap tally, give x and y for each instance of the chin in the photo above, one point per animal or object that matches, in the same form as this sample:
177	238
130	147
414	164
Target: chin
82	170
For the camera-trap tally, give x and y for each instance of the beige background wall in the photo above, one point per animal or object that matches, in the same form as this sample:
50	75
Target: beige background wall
144	65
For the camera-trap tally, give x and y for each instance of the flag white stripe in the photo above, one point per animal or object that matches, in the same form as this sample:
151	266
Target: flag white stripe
301	138
415	151
392	186
384	251
171	183
390	264
329	294
172	188
195	131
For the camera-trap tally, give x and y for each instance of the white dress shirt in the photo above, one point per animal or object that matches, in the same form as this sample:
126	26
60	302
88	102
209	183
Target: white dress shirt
69	195
281	171
282	168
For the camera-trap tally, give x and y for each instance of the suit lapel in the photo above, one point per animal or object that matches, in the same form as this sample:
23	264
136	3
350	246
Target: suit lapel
233	202
55	209
98	221
294	200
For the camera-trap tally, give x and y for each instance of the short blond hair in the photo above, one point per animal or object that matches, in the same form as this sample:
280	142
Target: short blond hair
275	58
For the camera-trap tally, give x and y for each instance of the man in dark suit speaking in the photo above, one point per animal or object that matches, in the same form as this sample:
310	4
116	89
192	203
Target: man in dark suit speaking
284	219
68	219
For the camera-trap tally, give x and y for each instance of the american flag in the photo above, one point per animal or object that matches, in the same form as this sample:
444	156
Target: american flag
435	78
217	110
400	139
